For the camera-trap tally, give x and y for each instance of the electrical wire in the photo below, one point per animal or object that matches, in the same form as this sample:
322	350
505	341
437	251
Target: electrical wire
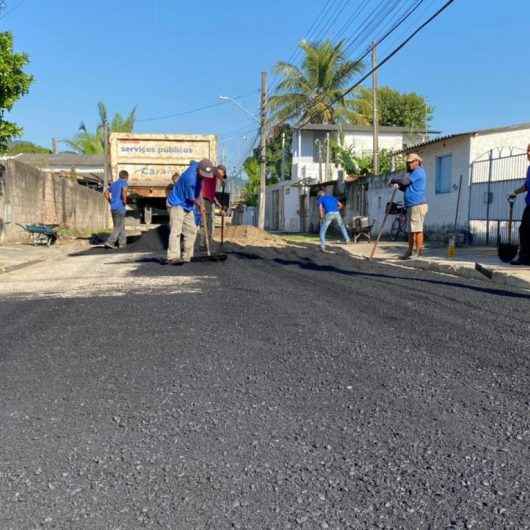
294	55
14	8
192	111
394	52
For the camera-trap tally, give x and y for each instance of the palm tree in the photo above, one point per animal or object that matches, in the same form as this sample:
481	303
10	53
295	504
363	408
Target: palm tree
87	143
314	91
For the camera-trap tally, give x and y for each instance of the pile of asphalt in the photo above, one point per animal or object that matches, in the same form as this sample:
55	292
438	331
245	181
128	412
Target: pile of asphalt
155	240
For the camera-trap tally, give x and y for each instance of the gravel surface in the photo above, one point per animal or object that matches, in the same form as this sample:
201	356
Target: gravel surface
280	389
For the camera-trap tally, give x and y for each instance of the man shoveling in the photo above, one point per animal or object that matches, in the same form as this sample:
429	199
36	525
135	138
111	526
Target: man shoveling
183	198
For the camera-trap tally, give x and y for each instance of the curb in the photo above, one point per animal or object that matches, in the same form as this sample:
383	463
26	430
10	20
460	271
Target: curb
18	266
503	279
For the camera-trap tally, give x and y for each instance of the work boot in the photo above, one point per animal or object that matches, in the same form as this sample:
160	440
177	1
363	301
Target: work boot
108	246
406	256
171	261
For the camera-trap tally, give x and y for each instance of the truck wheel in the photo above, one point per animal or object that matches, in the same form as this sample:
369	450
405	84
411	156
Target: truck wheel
148	214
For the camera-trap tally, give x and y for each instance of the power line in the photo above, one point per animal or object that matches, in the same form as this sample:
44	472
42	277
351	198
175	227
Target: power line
14	8
388	57
192	111
314	27
392	29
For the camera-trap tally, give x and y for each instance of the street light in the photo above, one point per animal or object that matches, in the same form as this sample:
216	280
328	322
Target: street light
235	102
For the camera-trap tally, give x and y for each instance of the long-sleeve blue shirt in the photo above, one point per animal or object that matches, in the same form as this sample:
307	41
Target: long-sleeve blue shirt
186	189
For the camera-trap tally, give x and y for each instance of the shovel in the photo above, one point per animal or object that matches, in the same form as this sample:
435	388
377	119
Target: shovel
508	251
209	256
374	248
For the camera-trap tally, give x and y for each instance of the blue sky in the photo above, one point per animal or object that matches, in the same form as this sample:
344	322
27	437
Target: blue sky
168	56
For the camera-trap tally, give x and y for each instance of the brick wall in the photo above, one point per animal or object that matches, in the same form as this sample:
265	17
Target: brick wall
28	195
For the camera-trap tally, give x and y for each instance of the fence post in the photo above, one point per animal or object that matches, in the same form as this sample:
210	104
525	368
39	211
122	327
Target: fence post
498	231
490	173
470	196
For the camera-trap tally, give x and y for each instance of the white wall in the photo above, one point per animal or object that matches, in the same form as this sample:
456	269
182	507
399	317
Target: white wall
482	143
304	165
377	196
442	206
363	142
466	149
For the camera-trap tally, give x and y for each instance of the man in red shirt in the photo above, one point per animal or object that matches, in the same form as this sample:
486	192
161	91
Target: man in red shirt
209	187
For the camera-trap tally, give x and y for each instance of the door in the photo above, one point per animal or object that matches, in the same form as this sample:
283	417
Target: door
275	210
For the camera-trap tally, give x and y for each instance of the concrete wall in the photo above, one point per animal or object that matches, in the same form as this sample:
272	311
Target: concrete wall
378	194
28	195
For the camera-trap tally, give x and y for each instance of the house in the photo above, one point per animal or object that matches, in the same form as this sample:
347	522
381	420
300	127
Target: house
291	204
490	162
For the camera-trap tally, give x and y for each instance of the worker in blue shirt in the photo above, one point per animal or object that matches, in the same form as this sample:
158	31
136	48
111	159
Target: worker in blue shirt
116	195
414	187
329	209
182	201
524	228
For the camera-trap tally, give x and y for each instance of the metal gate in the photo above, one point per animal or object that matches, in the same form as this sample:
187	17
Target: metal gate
493	178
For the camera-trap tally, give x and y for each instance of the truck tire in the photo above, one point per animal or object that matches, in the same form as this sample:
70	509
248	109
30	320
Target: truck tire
148	214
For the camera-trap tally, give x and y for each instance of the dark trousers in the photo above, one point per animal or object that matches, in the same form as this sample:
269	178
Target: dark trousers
118	233
524	236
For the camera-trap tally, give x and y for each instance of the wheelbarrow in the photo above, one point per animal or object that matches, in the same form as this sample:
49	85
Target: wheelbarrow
45	235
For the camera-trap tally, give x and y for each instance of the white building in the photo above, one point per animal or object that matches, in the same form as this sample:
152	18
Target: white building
289	203
492	162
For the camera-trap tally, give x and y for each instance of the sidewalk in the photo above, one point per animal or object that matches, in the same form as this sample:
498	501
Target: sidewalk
20	255
463	264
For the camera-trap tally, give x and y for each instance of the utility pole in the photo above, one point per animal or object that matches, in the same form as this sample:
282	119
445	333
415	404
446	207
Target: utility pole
375	117
107	175
263	151
55	149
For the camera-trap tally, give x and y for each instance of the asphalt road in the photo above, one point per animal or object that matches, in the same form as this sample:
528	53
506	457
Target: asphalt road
281	389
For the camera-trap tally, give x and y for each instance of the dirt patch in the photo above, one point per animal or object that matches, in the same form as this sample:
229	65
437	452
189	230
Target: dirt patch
250	235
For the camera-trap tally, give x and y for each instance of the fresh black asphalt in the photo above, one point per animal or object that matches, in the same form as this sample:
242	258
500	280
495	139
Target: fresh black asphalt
293	391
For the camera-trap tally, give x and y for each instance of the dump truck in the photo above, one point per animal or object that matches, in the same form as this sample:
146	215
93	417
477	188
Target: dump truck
151	160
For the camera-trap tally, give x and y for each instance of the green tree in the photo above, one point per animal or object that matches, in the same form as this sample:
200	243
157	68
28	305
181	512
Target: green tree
314	91
363	165
87	143
274	156
251	189
14	83
397	109
15	148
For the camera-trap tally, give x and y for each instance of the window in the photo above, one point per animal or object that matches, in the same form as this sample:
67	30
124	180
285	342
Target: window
444	173
319	146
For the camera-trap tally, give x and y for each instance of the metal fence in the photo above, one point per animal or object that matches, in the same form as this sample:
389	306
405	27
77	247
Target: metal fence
492	180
